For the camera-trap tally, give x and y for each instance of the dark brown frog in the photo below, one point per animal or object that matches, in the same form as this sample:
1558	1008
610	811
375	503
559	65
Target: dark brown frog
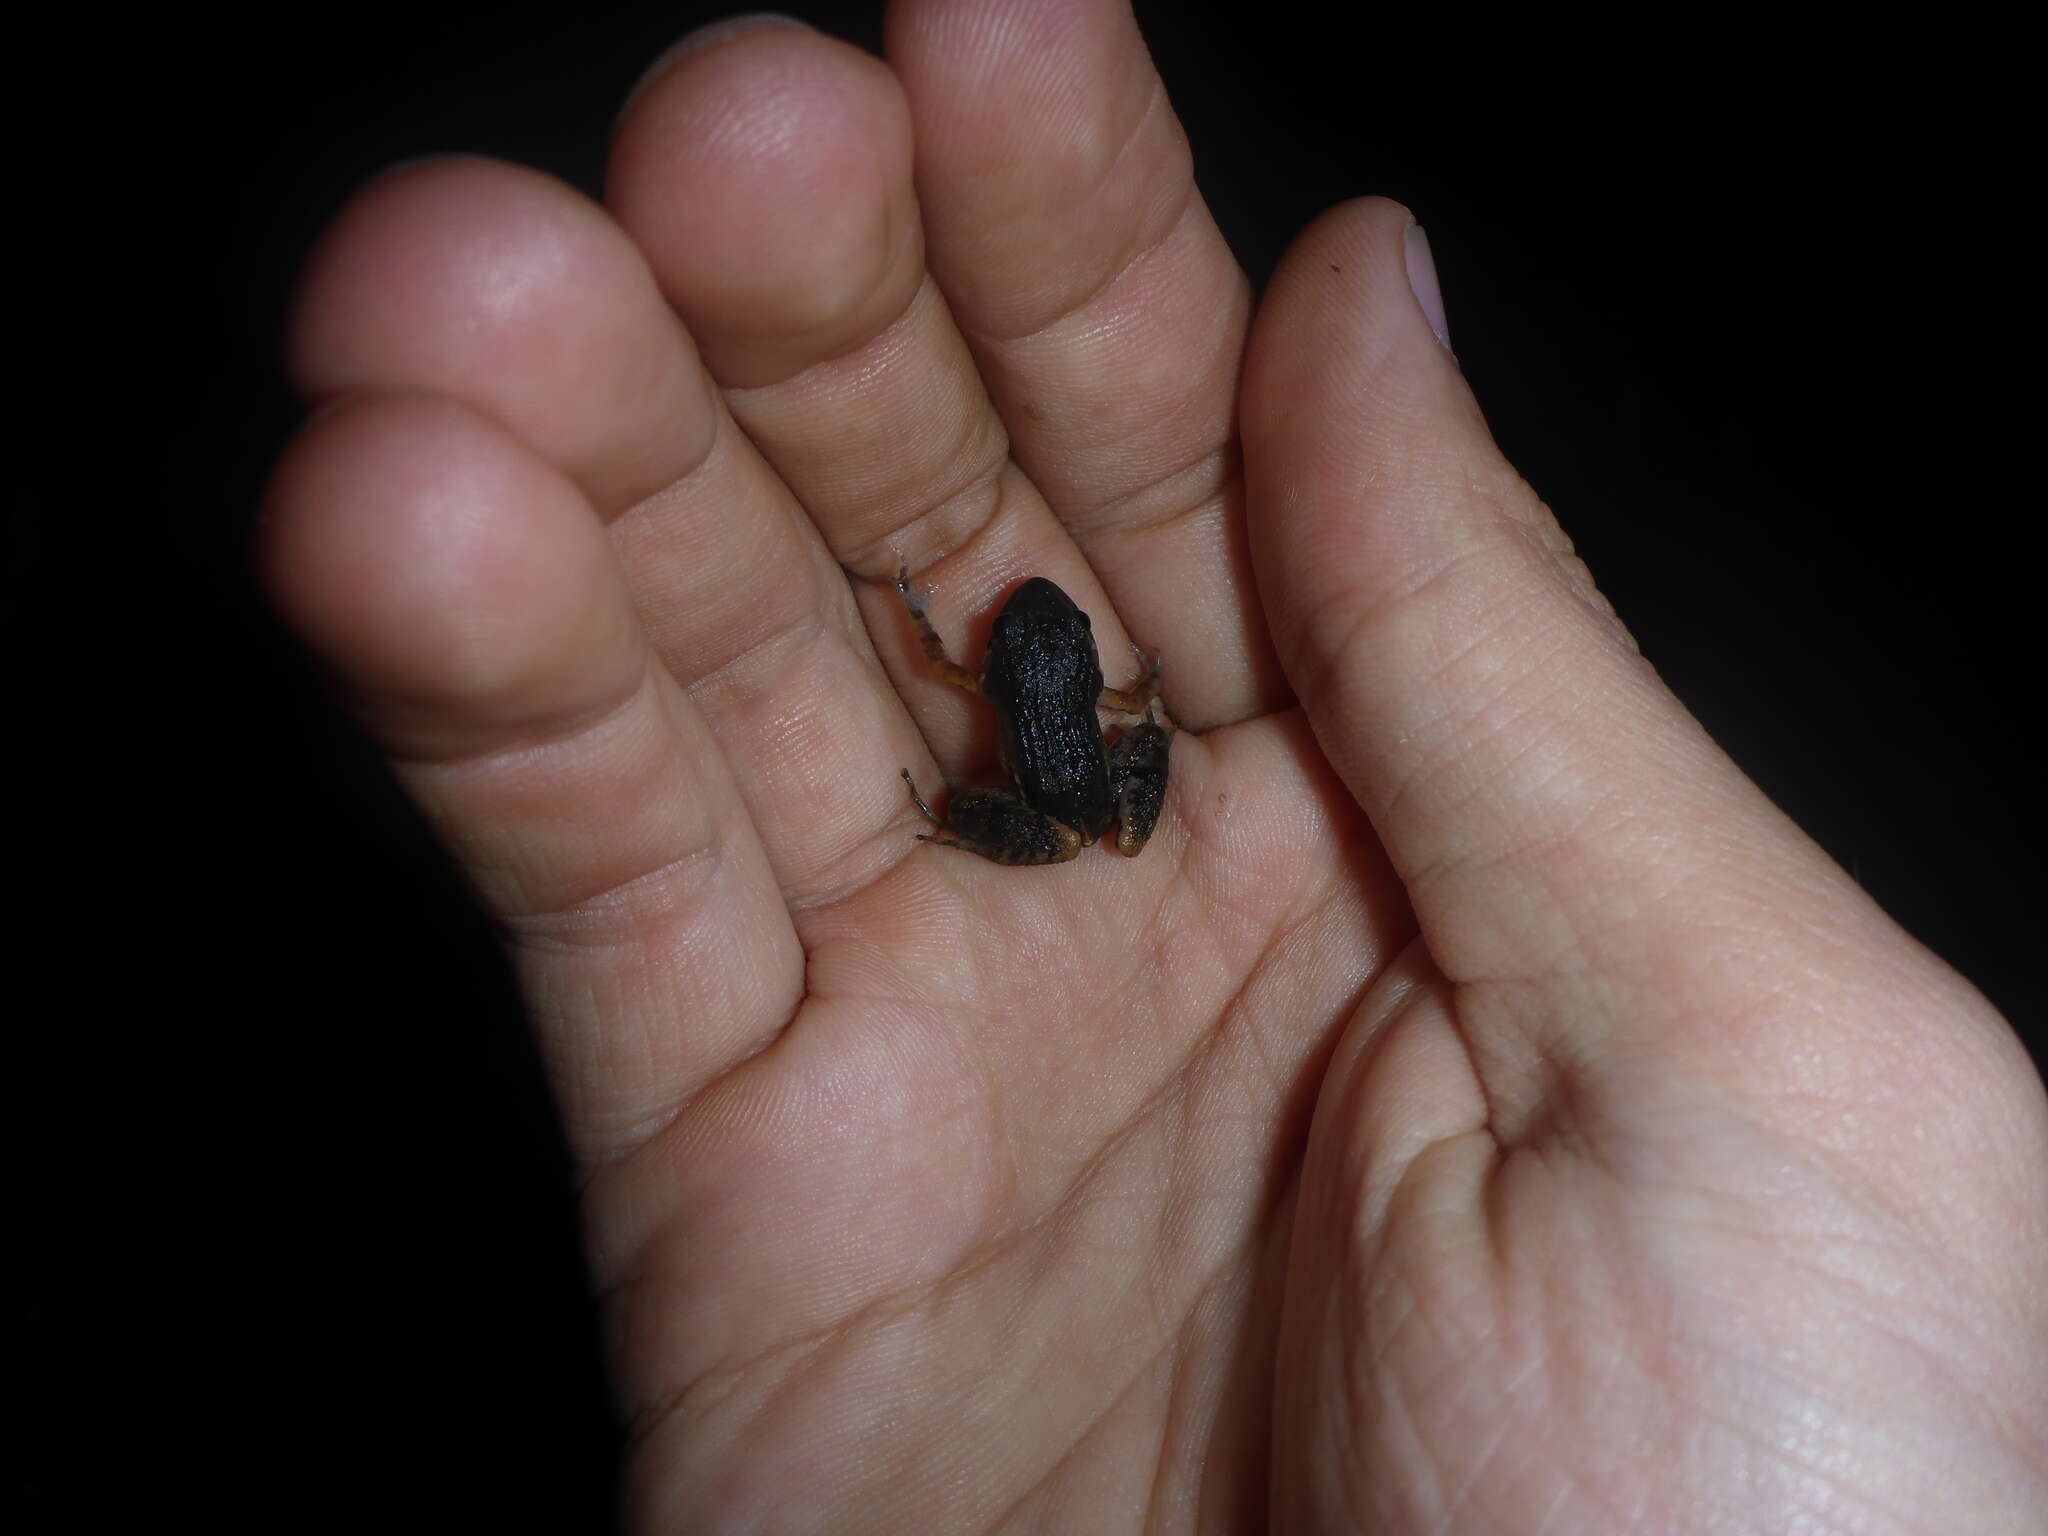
1072	782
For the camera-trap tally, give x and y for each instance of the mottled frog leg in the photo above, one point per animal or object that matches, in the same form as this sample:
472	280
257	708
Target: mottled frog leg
934	648
1001	828
1137	782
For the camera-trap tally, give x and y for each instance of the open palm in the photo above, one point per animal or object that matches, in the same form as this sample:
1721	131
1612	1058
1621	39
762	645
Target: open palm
1477	1109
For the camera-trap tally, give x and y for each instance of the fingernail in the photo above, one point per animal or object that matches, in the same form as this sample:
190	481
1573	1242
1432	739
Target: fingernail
1422	280
704	37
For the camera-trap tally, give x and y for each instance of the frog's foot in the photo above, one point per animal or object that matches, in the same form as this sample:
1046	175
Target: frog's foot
929	815
918	800
913	597
1001	828
1136	699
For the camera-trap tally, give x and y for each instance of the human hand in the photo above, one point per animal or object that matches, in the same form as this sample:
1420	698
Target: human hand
1478	1108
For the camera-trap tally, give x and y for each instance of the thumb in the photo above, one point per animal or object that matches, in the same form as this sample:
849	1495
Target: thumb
1583	861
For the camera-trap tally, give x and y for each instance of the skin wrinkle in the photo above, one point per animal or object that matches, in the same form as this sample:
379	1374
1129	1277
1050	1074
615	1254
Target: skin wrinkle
892	1306
1480	636
1203	869
1557	1502
1461	868
562	729
1744	1431
759	128
1503	1426
1145	237
587	907
895	1306
1100	316
1275	1071
1159	502
1359	976
1761	1365
1218	473
1513	720
676	627
1001	490
1556	924
1577	576
707	442
1137	1378
1194	1318
857	870
734	681
872	853
791	1352
1877	1305
1178	1388
1367	1399
1351	652
719	1079
646	1130
873	556
1371	1391
1436	1494
649	901
1144	244
1377	1209
1391	605
1157	1497
982	431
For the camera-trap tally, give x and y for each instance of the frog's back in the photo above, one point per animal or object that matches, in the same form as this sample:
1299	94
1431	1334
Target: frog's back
1044	678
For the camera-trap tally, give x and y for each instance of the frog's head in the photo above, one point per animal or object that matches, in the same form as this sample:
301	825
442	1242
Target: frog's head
1040	599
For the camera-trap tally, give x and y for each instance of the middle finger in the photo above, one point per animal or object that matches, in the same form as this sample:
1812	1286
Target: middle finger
770	178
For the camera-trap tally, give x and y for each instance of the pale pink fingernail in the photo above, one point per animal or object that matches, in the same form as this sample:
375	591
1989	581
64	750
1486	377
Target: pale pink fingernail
1422	279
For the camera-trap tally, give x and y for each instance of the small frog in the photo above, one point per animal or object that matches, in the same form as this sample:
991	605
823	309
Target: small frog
1072	785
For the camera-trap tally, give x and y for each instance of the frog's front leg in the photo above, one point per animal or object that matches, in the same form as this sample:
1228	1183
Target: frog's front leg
997	825
928	638
1136	699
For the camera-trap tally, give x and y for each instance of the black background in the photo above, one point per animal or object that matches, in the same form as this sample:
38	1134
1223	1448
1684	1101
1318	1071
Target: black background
297	1246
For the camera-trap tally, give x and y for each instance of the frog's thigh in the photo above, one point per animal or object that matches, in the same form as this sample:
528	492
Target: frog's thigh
1137	784
997	825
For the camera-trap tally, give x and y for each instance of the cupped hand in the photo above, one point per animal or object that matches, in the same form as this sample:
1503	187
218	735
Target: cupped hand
1477	1109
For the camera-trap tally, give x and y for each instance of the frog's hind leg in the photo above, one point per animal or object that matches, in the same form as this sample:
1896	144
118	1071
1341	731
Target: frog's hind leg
947	669
1001	828
1137	782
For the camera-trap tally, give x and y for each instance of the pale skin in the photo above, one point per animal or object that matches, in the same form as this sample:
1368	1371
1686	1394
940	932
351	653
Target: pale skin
1478	1109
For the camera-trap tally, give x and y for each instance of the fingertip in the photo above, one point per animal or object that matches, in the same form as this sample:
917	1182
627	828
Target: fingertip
768	177
503	287
701	40
458	585
1348	293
